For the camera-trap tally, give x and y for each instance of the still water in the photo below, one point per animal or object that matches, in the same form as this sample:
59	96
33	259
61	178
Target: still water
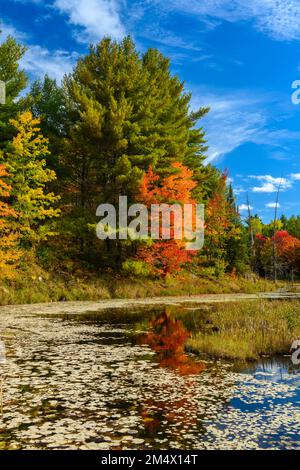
122	380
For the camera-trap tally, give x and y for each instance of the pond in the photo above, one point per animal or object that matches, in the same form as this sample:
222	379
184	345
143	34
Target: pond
122	380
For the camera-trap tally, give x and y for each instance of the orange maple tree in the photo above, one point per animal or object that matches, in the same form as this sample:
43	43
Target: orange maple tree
9	252
167	256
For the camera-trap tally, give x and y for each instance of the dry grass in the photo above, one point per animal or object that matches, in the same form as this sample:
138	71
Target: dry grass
34	285
246	331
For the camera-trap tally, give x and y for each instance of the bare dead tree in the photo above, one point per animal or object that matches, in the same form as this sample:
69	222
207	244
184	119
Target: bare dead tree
274	233
250	223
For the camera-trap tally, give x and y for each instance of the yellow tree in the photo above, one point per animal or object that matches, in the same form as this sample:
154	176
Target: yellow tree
29	176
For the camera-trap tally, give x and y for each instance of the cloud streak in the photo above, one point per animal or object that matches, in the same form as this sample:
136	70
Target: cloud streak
234	119
38	60
239	117
279	19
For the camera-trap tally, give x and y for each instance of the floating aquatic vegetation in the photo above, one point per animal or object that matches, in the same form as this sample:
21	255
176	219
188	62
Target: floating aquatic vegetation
88	384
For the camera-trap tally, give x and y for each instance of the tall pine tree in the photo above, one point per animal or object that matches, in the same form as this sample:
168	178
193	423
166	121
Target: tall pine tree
128	112
11	52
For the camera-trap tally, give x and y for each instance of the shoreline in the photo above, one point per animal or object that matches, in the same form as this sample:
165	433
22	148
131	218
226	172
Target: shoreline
77	307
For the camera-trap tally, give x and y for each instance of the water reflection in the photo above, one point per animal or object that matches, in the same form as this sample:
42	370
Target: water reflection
167	337
110	381
277	369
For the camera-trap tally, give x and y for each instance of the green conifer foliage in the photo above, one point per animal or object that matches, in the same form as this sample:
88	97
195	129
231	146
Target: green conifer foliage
15	81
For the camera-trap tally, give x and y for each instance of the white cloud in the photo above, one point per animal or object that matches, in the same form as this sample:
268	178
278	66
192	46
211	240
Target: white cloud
96	18
244	207
295	176
279	19
280	155
234	119
265	188
9	30
273	205
39	61
270	184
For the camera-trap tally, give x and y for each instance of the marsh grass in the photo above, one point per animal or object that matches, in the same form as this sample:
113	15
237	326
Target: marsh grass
247	331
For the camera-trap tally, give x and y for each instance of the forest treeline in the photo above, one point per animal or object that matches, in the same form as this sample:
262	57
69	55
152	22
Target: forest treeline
120	124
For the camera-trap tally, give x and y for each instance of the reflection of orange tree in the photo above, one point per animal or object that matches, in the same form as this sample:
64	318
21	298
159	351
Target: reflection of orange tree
167	337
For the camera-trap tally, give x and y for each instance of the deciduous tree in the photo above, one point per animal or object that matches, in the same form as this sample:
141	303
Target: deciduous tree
167	256
28	177
9	251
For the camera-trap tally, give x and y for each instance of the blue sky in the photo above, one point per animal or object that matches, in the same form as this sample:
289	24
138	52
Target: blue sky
240	57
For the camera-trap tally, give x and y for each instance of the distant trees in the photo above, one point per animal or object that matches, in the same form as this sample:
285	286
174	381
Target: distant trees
226	239
287	254
237	249
292	225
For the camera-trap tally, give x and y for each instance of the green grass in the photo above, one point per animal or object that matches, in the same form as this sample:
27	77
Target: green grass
247	331
35	285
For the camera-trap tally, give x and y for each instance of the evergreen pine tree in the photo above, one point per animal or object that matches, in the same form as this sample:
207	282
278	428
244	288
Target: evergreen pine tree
47	101
237	250
15	81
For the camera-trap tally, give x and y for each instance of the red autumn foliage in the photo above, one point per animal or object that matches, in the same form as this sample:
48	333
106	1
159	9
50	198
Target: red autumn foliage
176	187
167	256
9	253
167	338
287	249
